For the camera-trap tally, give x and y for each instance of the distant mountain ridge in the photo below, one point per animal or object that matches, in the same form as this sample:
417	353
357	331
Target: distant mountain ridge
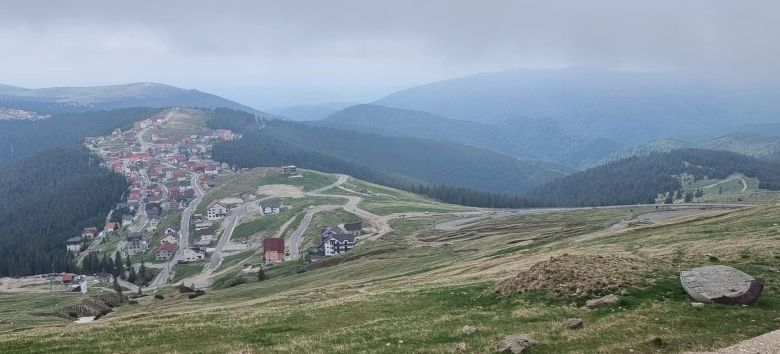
628	107
141	94
751	144
309	112
541	139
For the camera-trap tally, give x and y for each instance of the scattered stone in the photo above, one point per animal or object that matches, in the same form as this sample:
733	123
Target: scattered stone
459	347
722	285
697	304
468	330
574	323
608	300
363	291
516	344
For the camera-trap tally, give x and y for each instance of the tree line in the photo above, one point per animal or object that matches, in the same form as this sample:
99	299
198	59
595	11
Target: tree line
640	179
46	199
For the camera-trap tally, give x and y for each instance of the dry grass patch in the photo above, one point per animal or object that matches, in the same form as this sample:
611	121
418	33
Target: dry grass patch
577	275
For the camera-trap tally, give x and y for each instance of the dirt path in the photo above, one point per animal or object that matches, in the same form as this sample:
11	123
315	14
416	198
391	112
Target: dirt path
740	178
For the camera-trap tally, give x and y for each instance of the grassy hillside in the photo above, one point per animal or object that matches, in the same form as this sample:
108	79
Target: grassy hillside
414	289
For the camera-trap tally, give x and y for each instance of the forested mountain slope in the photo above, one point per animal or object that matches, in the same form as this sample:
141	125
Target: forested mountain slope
629	107
639	179
541	139
46	199
751	144
22	138
368	156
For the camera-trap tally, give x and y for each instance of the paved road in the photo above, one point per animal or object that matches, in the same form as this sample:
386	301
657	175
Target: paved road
295	239
230	226
184	236
130	286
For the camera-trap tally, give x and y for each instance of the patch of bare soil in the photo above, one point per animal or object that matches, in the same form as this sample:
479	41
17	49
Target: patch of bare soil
280	191
578	275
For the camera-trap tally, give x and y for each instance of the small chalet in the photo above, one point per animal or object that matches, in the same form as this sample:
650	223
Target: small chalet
272	207
190	255
165	251
112	227
89	232
273	249
216	211
73	244
354	228
104	277
170	238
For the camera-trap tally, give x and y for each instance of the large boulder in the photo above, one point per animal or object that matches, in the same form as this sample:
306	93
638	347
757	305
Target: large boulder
721	285
516	344
574	323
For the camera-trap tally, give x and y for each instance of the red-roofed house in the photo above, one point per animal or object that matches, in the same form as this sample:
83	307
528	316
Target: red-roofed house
273	249
165	251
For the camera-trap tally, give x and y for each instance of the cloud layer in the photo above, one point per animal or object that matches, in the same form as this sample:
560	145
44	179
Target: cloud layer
280	52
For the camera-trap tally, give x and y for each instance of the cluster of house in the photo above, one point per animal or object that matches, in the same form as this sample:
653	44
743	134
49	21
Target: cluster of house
75	244
336	240
168	244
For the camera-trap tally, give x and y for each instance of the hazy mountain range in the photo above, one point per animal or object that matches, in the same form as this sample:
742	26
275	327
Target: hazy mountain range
142	94
573	117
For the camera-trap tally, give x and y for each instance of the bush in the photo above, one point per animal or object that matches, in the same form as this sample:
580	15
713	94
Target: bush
159	297
184	289
197	294
234	282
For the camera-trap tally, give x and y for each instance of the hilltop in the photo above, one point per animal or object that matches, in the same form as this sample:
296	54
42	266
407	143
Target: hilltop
141	94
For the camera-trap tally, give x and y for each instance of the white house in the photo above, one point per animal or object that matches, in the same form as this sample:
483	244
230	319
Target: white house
191	255
272	207
170	238
216	211
338	244
73	244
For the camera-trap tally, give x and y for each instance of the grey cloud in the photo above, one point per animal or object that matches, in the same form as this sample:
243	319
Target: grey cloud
343	48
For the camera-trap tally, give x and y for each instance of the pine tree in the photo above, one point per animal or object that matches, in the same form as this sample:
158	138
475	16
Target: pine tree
119	268
131	276
117	288
261	275
669	198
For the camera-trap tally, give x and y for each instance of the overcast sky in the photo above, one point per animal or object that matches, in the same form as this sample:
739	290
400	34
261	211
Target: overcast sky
273	53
